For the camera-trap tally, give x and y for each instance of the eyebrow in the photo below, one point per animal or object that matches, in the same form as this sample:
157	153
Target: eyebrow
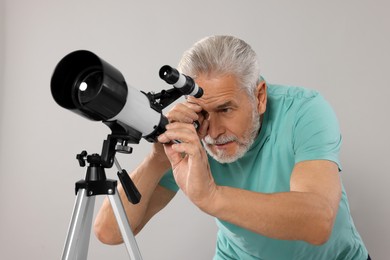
225	105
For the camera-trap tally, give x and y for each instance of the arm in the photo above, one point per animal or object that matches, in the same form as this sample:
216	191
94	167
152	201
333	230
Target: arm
154	198
306	213
146	177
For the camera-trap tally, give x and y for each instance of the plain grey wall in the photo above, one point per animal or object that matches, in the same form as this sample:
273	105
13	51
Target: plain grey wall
2	51
338	47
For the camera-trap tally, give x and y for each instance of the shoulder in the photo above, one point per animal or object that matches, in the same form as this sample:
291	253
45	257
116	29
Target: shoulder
286	99
275	91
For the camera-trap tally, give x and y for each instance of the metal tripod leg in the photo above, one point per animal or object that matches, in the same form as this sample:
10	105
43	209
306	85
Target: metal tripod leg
124	226
77	241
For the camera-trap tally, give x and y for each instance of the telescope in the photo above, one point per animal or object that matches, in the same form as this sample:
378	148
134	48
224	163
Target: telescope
89	86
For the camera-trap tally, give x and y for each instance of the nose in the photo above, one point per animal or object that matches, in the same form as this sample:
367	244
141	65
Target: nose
216	127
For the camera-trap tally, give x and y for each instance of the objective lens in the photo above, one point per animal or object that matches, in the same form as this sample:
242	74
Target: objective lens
89	86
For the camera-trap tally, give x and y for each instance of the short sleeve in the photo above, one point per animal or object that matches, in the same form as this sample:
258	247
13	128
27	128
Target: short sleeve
316	133
168	181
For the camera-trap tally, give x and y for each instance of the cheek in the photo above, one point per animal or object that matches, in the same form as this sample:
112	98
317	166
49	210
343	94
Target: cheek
239	124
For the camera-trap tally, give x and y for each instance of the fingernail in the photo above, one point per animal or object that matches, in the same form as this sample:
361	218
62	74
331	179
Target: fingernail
188	120
160	138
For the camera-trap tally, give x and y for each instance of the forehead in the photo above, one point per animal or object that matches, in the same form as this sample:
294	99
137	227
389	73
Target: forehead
217	90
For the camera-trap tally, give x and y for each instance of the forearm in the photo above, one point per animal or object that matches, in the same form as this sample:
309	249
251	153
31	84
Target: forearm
146	178
289	215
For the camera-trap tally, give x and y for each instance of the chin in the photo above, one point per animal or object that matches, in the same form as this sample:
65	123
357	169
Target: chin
222	156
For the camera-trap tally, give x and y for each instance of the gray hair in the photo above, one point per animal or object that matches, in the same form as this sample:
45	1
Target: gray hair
223	55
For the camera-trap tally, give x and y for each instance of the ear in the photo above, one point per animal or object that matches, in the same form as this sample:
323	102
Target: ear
261	95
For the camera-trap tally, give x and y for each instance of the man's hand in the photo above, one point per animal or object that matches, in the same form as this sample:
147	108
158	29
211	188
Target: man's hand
188	158
180	113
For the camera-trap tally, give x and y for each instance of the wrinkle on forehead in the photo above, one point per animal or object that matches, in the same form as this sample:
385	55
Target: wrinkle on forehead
217	90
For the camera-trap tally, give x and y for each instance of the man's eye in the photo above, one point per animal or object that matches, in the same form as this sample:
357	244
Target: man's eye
226	110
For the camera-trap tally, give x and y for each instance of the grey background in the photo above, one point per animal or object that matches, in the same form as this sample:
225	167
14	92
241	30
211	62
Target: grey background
338	47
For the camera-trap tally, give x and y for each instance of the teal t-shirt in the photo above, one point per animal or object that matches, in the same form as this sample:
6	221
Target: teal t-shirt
298	125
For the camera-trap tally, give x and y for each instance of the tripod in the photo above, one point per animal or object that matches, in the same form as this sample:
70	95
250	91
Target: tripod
96	183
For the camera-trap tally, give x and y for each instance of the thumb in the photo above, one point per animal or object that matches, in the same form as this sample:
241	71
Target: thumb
202	131
173	156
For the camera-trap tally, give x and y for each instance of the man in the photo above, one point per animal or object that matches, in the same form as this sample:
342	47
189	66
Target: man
271	171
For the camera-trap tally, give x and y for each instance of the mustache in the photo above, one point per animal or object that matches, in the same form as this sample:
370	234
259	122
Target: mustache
220	140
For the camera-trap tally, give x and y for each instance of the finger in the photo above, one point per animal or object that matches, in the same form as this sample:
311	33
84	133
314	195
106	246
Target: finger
173	156
201	117
187	149
183	112
180	125
179	131
163	139
202	130
193	106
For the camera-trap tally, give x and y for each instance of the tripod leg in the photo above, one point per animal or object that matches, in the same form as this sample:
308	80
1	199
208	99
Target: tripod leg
124	226
86	227
77	241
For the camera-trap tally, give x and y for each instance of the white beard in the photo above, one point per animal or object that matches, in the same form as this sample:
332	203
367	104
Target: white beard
243	146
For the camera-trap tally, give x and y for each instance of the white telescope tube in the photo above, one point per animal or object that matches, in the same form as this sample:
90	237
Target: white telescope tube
137	113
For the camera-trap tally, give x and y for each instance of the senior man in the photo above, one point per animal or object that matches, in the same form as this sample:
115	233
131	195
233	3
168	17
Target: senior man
264	162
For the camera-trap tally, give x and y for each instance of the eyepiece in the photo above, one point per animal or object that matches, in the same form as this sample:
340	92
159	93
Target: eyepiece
170	75
185	84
